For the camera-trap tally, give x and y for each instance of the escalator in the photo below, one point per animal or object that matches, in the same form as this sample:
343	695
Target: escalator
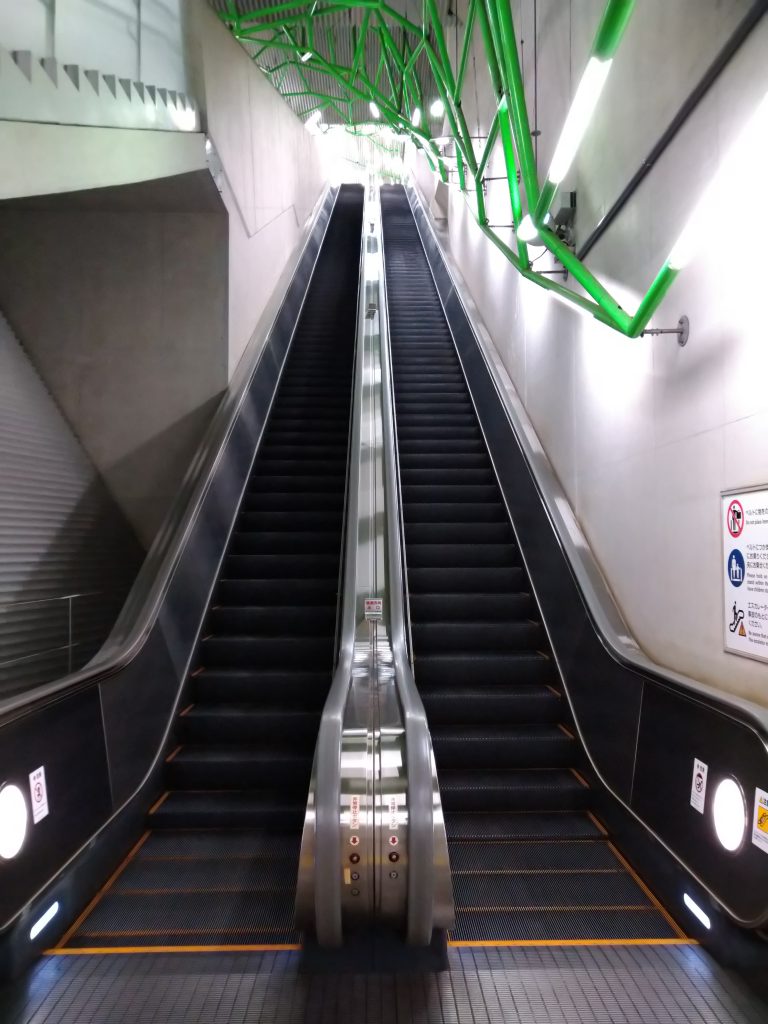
217	865
530	859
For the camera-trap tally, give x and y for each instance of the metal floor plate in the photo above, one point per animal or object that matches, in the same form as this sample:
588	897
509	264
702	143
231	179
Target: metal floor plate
552	985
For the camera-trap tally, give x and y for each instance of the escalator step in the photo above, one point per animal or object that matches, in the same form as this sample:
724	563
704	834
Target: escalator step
238	723
304	690
511	668
304	652
314	620
239	767
493	790
513	705
251	845
486	746
554	826
460	607
447	637
506	857
617	925
227	809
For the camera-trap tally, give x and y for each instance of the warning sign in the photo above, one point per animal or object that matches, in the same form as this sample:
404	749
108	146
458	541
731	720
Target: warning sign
38	791
699	785
374	609
745	573
760	820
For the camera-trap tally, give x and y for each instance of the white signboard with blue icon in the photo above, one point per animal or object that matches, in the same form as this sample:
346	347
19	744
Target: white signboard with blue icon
745	572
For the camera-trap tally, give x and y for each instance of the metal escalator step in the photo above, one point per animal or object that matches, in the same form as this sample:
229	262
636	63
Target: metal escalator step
288	620
305	690
300	519
251	845
304	652
561	926
553	826
468	580
532	856
478	534
281	542
234	723
226	809
462	607
489	746
282	567
304	592
510	668
240	767
486	637
436	555
547	891
527	790
208	918
468	705
188	878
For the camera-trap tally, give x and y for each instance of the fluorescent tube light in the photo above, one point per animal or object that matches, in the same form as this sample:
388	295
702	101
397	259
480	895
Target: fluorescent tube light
374	110
416	117
437	109
696	910
41	922
579	116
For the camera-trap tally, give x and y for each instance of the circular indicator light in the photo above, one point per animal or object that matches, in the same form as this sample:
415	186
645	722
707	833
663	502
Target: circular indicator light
729	814
14	817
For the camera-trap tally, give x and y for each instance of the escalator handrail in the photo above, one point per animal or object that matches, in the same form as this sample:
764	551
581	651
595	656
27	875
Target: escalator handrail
145	599
326	793
424	887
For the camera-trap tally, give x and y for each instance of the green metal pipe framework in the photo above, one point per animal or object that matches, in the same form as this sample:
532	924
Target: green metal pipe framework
396	46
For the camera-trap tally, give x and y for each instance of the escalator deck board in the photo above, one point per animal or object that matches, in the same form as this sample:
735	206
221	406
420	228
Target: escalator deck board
529	865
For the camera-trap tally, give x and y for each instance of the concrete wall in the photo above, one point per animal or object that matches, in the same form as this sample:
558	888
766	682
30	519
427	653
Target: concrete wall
120	297
272	175
137	40
67	555
643	435
39	159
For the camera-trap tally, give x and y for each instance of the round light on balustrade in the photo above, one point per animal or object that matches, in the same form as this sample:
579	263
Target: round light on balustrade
14	818
729	814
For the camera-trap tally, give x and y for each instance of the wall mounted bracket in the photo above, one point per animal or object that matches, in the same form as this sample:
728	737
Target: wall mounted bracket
682	330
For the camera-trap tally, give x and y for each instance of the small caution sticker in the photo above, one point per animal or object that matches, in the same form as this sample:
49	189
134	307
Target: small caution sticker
760	820
38	791
374	609
354	812
699	785
394	814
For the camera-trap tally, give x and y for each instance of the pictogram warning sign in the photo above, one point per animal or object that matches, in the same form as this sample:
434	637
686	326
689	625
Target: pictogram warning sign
38	791
744	535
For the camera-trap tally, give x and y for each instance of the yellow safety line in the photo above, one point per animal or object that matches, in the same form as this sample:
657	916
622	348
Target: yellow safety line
631	871
107	950
159	803
109	882
573	942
